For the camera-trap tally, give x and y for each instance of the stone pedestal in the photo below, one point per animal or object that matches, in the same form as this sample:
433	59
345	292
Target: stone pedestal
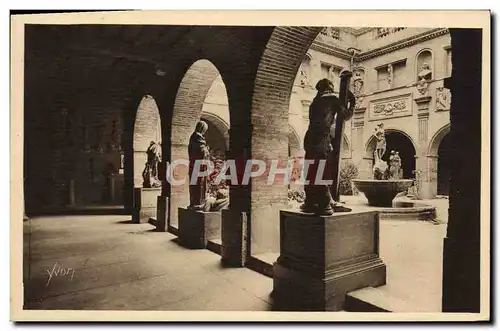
197	227
234	235
324	257
145	200
162	214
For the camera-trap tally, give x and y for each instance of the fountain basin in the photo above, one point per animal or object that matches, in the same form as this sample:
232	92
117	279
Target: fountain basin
380	193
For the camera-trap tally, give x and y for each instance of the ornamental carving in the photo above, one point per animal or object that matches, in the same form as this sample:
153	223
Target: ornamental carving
443	98
331	32
389	108
394	107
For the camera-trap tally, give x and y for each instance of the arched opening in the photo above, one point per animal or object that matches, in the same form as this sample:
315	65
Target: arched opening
444	166
270	118
147	128
217	134
439	162
396	141
196	87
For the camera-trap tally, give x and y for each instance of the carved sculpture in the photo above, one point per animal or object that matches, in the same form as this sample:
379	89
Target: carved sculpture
198	150
424	76
390	75
304	81
443	98
381	142
150	173
114	143
318	145
395	170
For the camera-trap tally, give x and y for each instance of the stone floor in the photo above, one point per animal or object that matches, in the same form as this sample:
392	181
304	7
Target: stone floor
118	265
106	262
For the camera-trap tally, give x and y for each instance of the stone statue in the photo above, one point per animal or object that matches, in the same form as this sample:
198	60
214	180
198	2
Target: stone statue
198	150
380	167
443	98
395	170
425	72
150	173
390	75
424	76
381	142
318	145
304	81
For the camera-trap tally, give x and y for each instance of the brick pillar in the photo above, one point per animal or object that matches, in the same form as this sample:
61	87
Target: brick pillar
423	143
462	250
235	232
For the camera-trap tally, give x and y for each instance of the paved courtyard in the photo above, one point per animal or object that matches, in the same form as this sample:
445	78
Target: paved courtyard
106	262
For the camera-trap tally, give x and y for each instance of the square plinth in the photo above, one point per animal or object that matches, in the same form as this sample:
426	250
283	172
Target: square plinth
196	228
324	257
145	204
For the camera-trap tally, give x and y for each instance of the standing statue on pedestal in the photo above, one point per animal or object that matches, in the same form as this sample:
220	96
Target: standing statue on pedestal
150	173
318	145
198	150
380	168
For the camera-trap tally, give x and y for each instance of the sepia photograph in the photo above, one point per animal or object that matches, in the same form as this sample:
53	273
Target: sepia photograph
190	166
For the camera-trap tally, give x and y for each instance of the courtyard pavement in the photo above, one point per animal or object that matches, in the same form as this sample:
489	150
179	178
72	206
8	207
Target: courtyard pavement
108	263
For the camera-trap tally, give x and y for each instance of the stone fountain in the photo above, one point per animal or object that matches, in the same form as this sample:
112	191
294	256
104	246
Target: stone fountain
387	179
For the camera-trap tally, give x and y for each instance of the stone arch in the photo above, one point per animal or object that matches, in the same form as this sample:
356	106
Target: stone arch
274	80
406	148
345	150
187	111
218	132
147	128
424	55
437	138
439	170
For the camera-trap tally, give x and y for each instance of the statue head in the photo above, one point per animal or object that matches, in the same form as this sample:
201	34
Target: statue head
324	86
425	66
201	127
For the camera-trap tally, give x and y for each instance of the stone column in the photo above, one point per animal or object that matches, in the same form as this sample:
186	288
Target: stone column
423	137
358	123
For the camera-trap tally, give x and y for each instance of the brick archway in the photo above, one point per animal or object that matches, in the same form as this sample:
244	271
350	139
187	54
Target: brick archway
274	80
187	111
147	128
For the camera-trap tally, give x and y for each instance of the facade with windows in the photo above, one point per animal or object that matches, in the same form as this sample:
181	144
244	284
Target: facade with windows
398	79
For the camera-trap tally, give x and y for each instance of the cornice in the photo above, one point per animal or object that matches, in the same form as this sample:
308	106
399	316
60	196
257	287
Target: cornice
410	41
331	50
363	56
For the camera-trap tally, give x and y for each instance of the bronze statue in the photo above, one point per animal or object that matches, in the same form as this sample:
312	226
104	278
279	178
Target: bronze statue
318	145
150	173
198	150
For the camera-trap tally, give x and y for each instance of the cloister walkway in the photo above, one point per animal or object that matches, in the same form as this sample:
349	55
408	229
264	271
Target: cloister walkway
105	262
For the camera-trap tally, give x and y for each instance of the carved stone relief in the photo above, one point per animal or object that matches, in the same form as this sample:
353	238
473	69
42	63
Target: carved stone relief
395	107
443	98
